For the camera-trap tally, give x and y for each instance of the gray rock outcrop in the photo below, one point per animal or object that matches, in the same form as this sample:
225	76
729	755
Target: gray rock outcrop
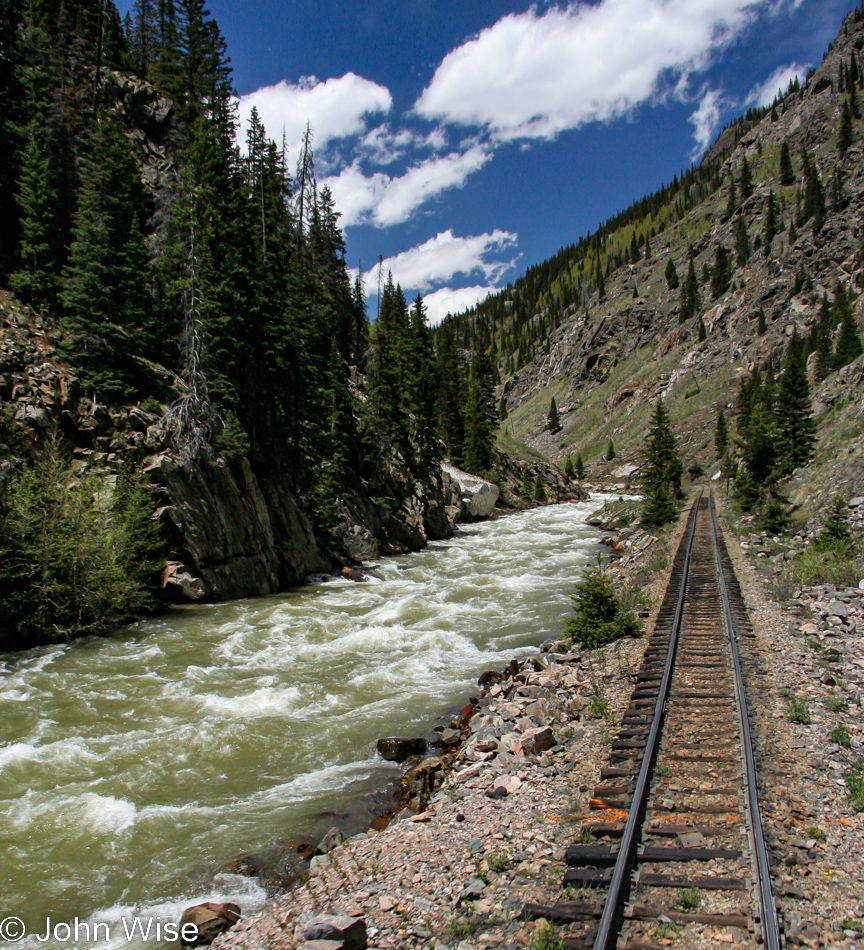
478	495
231	536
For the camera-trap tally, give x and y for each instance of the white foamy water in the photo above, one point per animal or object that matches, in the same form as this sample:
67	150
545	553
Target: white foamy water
133	767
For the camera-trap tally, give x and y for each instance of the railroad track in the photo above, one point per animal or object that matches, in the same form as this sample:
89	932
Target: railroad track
672	849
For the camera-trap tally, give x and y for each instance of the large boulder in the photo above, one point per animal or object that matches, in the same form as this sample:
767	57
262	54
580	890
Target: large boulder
347	933
478	495
210	920
400	749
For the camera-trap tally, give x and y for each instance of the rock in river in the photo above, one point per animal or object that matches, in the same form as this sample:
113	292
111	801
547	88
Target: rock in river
400	749
210	919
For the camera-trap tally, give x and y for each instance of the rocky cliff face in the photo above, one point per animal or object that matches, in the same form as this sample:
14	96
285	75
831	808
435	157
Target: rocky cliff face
231	536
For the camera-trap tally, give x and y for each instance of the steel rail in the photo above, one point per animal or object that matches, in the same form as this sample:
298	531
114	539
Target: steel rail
768	909
613	910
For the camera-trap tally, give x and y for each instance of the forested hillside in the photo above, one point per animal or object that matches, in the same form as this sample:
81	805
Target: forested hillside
176	291
733	290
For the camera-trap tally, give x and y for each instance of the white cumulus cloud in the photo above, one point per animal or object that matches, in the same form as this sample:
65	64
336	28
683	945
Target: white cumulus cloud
447	300
382	200
765	93
335	108
705	121
443	257
533	75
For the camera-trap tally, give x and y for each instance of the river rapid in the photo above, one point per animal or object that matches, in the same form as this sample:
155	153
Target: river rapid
134	767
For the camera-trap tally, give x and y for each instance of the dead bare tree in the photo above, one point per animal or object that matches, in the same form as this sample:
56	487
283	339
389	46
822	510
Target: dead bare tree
191	419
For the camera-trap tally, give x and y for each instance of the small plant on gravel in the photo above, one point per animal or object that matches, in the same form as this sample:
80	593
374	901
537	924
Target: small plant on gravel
577	893
662	770
817	834
841	735
798	711
688	897
459	929
585	834
546	937
567	733
814	644
598	708
600	617
850	923
835	704
498	861
665	929
480	871
855	787
787	692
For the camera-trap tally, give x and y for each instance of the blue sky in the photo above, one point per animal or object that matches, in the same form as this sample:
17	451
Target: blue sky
465	142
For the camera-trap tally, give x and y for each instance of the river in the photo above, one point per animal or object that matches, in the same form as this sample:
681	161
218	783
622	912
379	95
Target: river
133	767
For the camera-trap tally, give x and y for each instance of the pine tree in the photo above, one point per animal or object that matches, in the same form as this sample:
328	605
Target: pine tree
502	409
480	415
671	275
770	222
105	281
689	295
846	133
569	471
702	330
525	485
742	241
634	249
787	174
814	193
662	473
732	203
601	283
836	525
721	272
610	451
793	234
539	488
35	281
797	426
762	325
721	434
580	466
848	346
553	422
746	180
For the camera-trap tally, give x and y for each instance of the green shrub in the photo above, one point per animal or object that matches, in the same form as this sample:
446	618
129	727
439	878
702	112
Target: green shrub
498	861
546	937
841	735
598	708
828	561
798	711
855	787
600	618
77	553
688	898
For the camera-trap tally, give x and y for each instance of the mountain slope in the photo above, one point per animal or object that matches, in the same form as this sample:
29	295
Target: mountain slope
605	360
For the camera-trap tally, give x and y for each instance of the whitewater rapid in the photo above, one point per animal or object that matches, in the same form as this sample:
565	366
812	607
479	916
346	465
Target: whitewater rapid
134	767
